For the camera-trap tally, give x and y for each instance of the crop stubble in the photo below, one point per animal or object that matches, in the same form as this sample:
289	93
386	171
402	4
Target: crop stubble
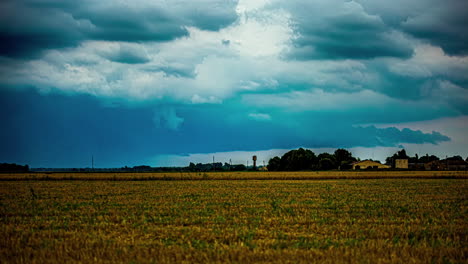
327	221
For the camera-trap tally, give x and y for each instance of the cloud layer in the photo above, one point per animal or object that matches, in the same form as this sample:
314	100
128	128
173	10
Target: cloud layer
31	26
276	74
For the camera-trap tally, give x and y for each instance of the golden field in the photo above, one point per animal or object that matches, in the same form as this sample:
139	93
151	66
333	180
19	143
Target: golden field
394	220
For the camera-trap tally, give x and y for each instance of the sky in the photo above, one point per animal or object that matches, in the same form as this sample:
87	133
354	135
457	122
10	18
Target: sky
168	82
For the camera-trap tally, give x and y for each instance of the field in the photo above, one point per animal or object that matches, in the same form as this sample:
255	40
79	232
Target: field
174	218
302	175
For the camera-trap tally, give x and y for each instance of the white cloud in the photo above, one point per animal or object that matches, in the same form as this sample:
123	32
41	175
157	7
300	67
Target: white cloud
265	33
196	99
430	61
245	6
320	100
260	116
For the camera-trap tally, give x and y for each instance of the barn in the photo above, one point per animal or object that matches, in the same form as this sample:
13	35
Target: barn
369	164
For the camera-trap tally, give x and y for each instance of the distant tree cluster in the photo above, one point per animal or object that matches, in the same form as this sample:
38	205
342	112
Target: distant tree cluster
217	166
401	154
293	160
12	167
428	162
305	159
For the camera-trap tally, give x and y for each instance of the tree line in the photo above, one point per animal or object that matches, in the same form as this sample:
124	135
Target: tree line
293	160
418	160
13	167
304	159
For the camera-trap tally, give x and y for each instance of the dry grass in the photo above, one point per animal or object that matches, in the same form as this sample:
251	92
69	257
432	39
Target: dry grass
323	221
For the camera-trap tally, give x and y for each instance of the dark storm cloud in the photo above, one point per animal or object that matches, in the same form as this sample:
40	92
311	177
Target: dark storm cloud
340	30
115	24
24	29
30	26
337	43
366	29
442	23
447	28
128	57
213	15
392	136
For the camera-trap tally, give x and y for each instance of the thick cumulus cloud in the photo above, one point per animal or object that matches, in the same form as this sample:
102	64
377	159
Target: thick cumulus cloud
441	23
369	29
342	29
30	26
295	73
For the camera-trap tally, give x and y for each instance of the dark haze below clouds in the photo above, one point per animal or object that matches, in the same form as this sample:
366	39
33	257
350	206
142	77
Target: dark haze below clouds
69	129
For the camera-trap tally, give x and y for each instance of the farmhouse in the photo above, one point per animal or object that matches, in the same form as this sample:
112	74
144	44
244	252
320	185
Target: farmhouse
369	164
401	164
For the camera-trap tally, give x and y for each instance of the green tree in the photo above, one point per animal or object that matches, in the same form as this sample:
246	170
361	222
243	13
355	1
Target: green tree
414	159
427	158
274	164
326	164
459	158
329	161
300	159
192	167
344	158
